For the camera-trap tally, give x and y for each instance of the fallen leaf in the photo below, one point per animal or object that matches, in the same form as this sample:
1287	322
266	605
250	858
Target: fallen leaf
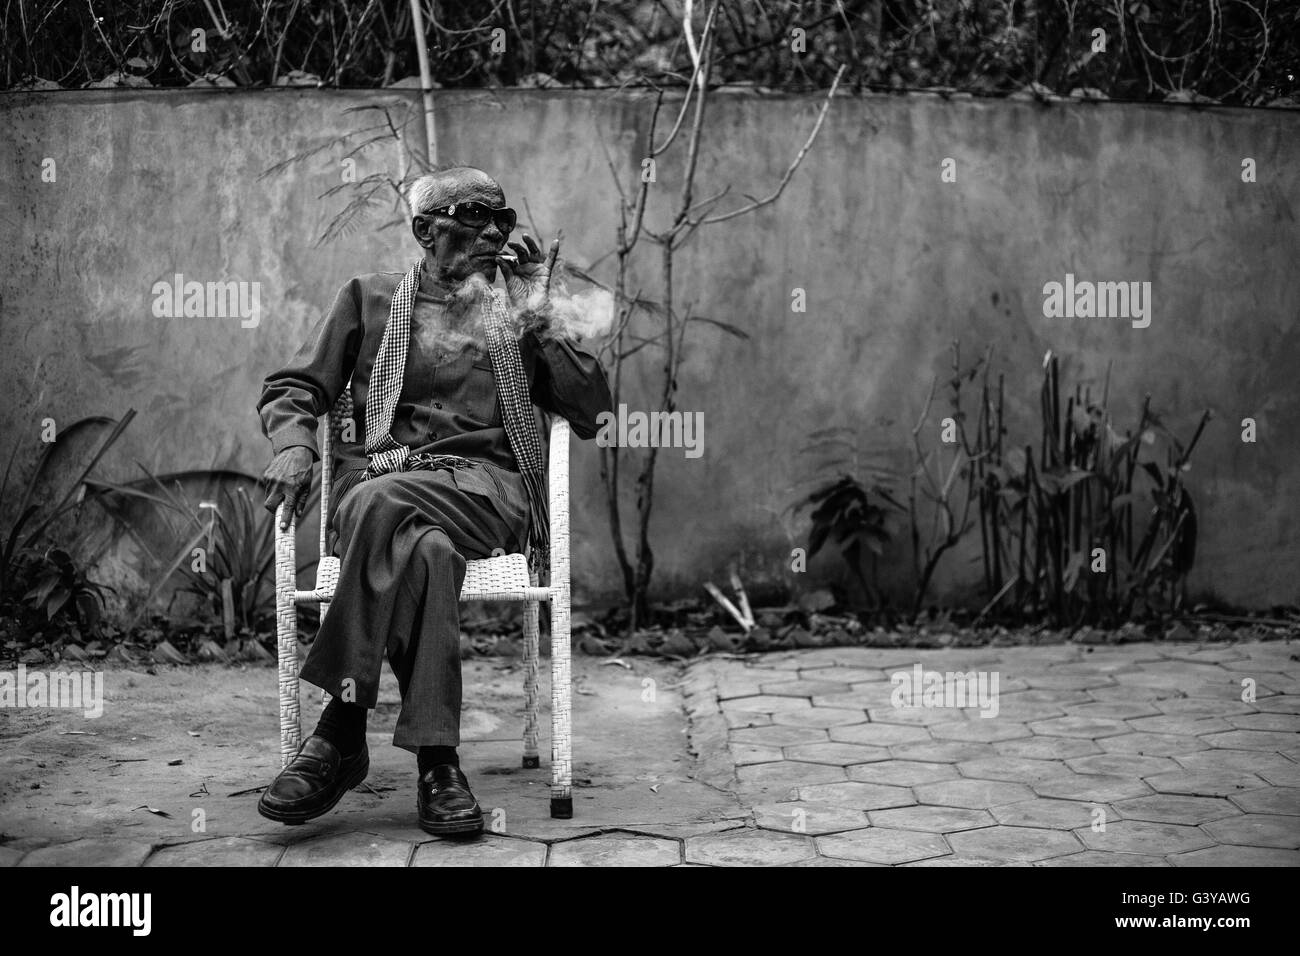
79	733
161	813
616	660
655	788
192	733
174	763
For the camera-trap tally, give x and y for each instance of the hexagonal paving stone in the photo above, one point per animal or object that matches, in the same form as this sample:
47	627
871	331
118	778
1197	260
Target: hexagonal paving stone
1277	776
1257	829
616	850
1282	704
838	754
1180	724
931	819
980	730
863	695
1042	696
1022	713
786	775
738	719
765	703
916	716
820	717
810	818
1157	745
1286	723
879	735
1171	808
972	794
1067	681
489	851
1205	784
1270	740
1050	814
1046	748
1240	761
1237	856
942	751
1284	800
347	849
743	754
902	773
748	848
1022	844
1091	858
777	736
1093	787
1015	769
1131	765
805	688
1113	709
832	861
858	796
1140	836
1089	728
883	846
843	675
224	851
88	852
1201	707
1123	692
964	862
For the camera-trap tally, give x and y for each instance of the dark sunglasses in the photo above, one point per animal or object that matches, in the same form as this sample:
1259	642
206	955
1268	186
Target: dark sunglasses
476	215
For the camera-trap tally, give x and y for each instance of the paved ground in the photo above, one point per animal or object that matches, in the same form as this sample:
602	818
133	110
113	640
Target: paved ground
1141	755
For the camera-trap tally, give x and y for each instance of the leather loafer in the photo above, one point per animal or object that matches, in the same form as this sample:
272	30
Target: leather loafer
446	804
313	782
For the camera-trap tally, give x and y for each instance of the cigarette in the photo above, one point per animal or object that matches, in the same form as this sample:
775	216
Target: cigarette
506	257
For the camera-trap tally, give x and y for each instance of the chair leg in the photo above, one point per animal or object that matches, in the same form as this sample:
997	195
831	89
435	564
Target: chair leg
561	714
531	759
324	695
286	623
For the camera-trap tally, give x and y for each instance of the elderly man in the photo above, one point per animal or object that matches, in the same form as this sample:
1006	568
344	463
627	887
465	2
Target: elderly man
445	466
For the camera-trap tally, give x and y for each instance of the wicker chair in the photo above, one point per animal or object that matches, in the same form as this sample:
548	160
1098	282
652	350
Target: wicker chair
501	578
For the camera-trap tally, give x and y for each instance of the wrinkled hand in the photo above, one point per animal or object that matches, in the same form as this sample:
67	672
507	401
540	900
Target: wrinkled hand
528	281
288	479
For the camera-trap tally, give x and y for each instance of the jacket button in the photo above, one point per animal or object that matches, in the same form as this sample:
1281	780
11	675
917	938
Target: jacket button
437	405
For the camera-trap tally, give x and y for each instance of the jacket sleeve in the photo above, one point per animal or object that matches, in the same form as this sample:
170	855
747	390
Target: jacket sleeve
295	396
566	379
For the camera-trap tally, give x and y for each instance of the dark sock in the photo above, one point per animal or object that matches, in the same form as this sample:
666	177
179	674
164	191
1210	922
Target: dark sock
344	725
426	758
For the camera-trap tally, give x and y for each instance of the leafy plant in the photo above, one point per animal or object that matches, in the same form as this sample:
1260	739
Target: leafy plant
233	541
851	515
1047	522
60	587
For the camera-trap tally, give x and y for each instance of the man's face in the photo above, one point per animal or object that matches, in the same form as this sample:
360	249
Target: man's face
459	250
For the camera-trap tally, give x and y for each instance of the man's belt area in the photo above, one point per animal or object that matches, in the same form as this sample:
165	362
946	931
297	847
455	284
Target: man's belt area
426	462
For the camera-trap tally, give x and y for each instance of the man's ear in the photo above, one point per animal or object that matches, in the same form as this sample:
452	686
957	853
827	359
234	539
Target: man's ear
422	227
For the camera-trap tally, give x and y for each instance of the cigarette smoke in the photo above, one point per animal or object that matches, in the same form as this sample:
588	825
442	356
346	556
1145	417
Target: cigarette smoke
581	315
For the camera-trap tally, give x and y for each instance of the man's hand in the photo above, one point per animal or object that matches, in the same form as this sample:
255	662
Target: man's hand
528	281
288	479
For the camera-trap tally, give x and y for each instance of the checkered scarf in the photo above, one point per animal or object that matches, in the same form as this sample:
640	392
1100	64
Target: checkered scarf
386	454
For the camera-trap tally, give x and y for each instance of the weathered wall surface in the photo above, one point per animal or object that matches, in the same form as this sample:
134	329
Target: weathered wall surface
894	263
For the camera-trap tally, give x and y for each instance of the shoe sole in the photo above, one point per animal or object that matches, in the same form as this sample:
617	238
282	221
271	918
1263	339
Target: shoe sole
452	826
296	817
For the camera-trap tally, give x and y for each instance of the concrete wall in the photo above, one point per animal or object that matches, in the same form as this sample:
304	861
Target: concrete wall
894	263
